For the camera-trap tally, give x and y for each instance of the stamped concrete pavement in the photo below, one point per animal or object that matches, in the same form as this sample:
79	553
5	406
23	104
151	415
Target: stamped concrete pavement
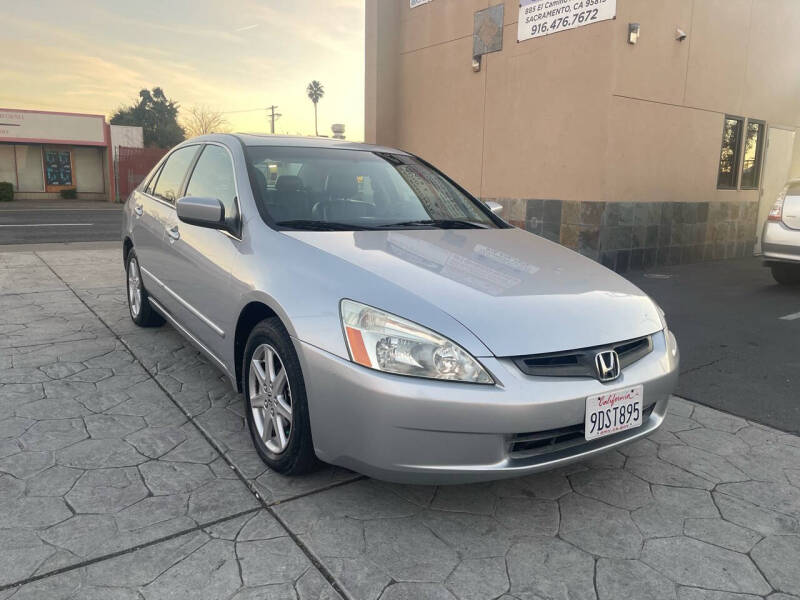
107	489
126	471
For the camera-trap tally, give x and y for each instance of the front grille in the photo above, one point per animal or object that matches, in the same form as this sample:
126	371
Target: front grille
580	363
526	445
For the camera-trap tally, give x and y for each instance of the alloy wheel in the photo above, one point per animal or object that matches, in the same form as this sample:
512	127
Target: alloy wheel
134	288
270	398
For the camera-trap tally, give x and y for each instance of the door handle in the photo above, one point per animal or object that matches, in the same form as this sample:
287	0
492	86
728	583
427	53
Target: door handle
138	210
174	234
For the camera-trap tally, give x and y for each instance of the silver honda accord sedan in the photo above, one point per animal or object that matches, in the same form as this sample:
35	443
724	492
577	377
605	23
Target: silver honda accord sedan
377	316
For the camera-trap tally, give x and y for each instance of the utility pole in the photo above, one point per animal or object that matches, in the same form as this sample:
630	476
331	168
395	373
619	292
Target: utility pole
272	116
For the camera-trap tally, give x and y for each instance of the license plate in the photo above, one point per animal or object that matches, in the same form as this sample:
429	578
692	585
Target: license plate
613	411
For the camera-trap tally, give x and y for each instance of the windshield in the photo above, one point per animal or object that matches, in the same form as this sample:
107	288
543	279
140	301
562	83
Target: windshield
330	189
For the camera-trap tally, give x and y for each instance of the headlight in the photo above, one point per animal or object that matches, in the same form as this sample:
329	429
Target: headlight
383	341
661	314
669	337
672	343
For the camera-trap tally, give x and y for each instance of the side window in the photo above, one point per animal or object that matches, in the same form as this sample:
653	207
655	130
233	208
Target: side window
213	178
152	183
168	186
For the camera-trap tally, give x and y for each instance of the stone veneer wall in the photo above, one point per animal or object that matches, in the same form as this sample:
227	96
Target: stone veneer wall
640	235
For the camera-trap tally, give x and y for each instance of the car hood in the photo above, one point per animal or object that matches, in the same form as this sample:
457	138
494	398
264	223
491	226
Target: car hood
517	292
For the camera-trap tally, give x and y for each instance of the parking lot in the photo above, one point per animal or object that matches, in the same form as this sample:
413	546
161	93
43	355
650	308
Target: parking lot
738	331
126	470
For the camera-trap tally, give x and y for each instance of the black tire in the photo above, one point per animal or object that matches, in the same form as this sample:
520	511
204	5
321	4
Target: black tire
298	455
145	316
786	274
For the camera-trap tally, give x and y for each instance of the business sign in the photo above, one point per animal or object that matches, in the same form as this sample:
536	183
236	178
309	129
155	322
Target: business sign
416	3
51	128
543	17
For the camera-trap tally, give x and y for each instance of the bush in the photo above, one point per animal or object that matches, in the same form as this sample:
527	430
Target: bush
69	194
6	191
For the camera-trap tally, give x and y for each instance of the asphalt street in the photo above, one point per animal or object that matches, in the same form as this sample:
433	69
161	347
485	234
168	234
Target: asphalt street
34	223
739	335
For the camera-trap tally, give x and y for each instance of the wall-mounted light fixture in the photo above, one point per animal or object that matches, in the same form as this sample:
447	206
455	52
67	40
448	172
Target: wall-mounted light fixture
476	63
680	34
633	33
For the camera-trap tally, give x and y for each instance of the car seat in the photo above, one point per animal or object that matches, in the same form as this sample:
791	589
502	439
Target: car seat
341	202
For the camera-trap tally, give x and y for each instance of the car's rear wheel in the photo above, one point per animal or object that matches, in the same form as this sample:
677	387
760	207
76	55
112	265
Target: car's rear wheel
275	400
142	313
786	274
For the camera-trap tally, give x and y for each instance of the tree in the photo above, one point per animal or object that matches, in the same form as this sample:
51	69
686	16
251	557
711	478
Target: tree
156	114
315	93
201	120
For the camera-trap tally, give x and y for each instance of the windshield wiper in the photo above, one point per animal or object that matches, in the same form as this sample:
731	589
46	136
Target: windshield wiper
440	223
312	225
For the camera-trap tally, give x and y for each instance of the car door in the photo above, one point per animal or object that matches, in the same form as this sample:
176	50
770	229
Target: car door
157	214
147	230
199	259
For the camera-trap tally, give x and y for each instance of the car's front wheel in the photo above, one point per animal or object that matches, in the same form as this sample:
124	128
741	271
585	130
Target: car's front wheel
786	274
141	312
275	400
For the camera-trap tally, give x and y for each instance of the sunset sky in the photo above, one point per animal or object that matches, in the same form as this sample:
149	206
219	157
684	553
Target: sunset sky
232	55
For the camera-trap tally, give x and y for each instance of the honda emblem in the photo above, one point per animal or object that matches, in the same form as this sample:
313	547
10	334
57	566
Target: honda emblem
607	365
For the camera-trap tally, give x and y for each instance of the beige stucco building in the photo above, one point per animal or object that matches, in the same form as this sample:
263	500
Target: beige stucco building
661	151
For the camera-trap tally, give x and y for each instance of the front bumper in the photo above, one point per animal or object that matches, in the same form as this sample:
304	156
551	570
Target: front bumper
413	430
779	243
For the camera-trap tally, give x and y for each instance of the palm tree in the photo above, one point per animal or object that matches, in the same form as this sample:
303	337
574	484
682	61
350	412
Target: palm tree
315	92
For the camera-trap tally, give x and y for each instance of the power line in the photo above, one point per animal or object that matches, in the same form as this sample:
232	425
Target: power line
229	112
271	116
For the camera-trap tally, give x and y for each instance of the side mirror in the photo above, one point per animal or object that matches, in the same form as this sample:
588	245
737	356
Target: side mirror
495	207
203	212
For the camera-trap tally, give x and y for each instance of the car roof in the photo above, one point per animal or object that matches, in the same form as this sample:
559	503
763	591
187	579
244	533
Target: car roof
255	139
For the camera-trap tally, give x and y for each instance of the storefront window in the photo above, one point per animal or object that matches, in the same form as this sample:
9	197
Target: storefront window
30	176
88	166
58	168
7	171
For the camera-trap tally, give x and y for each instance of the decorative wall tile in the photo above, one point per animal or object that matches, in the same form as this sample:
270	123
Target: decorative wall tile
589	241
641	235
571	213
569	235
551	211
592	213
